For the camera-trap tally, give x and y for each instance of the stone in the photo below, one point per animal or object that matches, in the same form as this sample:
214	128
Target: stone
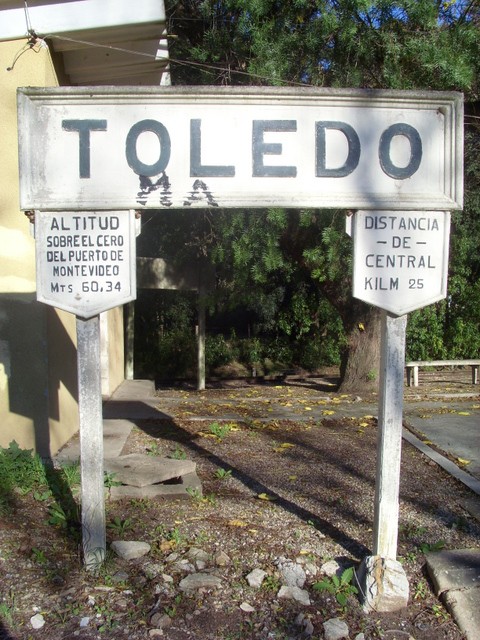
294	593
221	559
335	629
84	622
178	490
160	620
256	577
139	470
196	581
37	621
247	608
130	549
331	568
293	575
197	555
384	585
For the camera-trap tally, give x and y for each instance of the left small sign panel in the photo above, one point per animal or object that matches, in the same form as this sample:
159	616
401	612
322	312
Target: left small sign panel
85	261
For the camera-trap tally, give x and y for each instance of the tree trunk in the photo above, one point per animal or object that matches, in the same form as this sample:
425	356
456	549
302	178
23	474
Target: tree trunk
361	362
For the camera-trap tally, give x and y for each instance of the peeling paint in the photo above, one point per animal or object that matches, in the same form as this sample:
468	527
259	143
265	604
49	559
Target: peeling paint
200	192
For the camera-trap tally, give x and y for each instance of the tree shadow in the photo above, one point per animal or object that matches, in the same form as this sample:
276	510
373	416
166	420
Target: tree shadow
170	430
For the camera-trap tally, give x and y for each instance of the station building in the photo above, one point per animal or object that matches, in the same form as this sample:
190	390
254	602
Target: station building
47	43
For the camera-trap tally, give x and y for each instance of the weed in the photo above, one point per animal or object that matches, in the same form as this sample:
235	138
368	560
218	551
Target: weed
219	431
421	590
119	526
109	480
271	583
7	608
194	493
440	613
425	547
42	496
20	469
154	449
142	504
179	453
71	474
341	587
172	609
39	556
223	474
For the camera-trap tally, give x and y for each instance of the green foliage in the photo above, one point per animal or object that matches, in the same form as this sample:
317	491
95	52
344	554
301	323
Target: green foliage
20	469
120	526
341	587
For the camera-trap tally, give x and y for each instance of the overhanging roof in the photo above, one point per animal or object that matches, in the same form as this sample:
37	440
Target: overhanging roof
101	42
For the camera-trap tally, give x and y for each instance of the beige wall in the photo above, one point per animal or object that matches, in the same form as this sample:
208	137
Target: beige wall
38	372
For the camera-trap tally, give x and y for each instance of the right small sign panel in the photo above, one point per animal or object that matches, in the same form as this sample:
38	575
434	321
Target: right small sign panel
400	258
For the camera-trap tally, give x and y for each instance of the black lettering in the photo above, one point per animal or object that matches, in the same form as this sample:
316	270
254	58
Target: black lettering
140	168
354	150
83	128
261	148
400	129
197	170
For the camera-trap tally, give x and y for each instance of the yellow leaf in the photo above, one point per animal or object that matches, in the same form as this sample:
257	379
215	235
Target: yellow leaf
265	496
167	545
287	445
237	523
292	478
464	413
368	417
463	461
308	408
328	412
361	326
427	442
363	424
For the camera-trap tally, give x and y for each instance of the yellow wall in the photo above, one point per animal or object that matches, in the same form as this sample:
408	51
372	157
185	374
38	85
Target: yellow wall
37	343
38	370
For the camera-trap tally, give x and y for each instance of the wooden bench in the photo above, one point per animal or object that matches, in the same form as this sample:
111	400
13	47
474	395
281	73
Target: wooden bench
413	367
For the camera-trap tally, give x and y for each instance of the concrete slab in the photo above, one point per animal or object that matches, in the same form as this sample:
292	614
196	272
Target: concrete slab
178	490
456	577
145	409
115	435
464	606
139	470
134	390
454	569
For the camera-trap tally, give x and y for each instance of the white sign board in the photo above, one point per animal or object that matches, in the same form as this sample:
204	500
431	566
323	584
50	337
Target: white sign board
85	261
400	258
93	148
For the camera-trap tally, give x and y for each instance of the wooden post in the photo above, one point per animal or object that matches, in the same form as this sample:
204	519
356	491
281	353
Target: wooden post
389	447
91	441
201	329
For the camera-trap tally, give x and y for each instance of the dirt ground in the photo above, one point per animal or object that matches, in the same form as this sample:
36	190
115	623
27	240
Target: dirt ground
274	490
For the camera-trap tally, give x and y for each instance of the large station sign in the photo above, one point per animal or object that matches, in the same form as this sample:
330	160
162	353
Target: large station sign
85	262
99	148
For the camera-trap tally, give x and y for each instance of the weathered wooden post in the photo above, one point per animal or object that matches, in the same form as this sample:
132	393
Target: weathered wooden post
400	264
86	282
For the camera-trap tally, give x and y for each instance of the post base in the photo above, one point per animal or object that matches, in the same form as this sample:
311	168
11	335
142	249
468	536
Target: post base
383	584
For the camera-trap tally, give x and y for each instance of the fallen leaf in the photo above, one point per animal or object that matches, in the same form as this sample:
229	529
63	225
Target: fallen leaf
328	412
463	462
464	413
427	442
292	478
265	496
237	523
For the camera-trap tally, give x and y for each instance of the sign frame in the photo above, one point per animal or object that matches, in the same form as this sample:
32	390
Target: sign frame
69	137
